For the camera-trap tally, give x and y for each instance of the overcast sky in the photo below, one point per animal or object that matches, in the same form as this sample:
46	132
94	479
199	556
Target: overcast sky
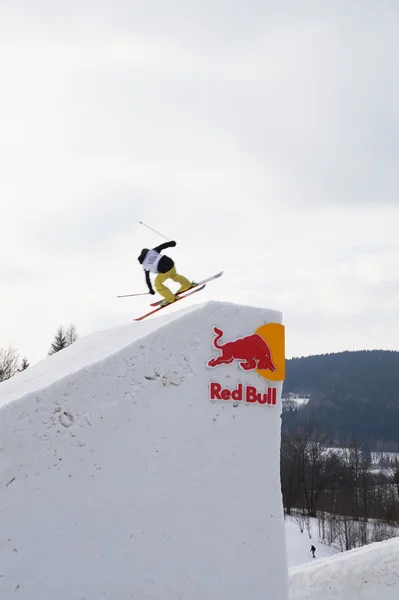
261	136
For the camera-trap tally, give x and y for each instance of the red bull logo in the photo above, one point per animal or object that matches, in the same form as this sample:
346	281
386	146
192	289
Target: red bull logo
261	351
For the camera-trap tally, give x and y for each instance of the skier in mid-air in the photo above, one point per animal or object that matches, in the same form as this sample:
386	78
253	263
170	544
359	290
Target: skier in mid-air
153	261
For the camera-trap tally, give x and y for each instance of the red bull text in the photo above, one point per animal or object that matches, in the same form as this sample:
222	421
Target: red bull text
262	352
249	394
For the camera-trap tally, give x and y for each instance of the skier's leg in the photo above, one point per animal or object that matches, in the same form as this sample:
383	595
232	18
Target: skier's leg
161	288
185	284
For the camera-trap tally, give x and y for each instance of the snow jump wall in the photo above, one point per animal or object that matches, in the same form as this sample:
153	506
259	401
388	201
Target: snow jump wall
143	462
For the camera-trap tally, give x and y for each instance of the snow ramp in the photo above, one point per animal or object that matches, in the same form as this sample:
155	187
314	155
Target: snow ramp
367	573
130	468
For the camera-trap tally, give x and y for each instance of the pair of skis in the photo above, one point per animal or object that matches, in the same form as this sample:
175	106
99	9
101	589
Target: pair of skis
180	297
198	287
199	284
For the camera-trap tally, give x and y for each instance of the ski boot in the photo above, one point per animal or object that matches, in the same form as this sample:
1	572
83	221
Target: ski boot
193	284
166	303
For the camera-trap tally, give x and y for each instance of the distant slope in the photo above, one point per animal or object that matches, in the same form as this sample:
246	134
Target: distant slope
298	543
353	394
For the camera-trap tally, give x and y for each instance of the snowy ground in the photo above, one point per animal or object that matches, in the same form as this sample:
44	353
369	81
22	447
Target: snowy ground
298	544
367	573
293	401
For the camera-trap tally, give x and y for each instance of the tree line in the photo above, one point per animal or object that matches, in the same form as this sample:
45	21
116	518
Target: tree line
10	362
350	393
341	487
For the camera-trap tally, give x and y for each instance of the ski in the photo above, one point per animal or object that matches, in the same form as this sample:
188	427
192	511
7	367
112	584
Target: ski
181	297
158	302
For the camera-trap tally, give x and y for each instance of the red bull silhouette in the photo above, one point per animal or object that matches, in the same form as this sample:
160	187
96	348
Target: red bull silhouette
252	351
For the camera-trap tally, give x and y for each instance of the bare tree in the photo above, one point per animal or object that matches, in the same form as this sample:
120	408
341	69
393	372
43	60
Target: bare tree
8	363
339	486
71	334
318	467
390	505
394	473
291	484
300	521
347	536
356	478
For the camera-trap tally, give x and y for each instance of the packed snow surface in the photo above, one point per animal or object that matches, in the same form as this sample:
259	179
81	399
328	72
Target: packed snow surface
120	479
298	543
367	573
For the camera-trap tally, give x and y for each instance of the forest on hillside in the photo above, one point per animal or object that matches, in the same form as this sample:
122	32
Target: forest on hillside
354	498
352	395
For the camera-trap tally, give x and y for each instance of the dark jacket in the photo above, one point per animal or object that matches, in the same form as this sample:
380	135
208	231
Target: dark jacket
165	264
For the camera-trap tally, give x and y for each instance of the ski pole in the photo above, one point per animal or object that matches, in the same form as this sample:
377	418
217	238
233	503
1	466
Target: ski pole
154	230
126	295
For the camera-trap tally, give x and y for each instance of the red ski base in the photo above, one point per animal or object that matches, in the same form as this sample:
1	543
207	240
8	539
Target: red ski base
189	293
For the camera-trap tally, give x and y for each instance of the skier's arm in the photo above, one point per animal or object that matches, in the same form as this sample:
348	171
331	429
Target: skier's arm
164	246
148	281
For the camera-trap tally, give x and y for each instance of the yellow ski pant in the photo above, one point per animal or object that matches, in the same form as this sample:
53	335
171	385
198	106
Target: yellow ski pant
164	291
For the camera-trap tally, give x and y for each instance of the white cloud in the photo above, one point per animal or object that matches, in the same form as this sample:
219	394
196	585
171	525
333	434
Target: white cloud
263	140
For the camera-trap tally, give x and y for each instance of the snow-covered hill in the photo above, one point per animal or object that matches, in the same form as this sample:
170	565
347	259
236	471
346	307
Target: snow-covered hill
368	573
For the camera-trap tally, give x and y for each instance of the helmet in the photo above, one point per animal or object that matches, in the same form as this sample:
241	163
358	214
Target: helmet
143	255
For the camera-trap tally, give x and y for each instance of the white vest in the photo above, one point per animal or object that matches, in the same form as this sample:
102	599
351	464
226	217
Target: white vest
150	263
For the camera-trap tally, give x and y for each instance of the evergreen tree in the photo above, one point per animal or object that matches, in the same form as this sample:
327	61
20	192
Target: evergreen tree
63	338
24	364
60	341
